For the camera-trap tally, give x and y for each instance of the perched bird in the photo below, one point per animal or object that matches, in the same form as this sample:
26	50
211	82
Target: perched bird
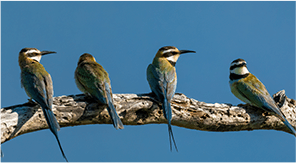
38	85
162	79
250	90
93	80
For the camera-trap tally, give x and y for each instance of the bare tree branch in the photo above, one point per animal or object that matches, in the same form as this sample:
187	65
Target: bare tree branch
142	109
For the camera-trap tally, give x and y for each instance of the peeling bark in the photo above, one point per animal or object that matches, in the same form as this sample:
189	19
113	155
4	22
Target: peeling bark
142	109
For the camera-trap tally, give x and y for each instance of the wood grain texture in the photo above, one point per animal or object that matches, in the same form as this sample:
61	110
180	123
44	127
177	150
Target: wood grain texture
141	109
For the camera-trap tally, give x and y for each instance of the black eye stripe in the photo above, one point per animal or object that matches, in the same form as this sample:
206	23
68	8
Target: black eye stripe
32	54
168	54
239	65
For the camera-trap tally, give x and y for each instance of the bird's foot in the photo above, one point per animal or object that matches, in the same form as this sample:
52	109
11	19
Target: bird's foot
31	102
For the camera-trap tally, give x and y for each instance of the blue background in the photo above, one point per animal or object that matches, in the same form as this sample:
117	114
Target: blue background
124	37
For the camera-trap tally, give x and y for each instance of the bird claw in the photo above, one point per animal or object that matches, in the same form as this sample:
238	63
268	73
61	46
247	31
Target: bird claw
31	102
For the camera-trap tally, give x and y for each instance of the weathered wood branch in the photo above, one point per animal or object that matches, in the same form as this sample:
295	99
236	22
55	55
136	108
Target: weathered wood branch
142	109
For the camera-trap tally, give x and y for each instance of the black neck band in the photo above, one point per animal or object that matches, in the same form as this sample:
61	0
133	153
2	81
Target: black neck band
172	63
233	76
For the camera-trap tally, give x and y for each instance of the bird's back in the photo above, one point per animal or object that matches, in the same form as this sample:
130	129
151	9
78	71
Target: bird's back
92	79
252	90
38	84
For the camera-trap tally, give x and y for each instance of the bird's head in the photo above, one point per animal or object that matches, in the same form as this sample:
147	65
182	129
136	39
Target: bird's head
33	53
239	67
86	57
171	53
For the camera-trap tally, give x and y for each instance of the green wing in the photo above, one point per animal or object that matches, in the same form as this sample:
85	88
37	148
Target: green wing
252	89
91	78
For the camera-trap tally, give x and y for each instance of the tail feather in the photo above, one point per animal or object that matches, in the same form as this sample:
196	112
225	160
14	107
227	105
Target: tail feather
53	126
168	115
291	128
167	109
51	120
114	116
61	147
171	135
111	109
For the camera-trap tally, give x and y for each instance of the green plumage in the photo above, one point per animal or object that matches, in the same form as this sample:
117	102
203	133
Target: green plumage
252	91
249	89
38	85
92	79
36	73
162	77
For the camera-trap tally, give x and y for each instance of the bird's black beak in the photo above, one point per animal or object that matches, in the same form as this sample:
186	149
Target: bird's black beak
47	52
186	51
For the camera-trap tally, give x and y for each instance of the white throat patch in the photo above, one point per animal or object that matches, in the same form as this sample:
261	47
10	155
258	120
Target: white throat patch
240	70
172	58
37	58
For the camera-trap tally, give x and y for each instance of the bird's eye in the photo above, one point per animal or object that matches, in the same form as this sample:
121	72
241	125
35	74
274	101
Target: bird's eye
32	54
168	53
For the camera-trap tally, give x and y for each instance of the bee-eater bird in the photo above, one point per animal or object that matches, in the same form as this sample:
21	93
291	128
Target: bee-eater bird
38	85
250	90
93	80
162	79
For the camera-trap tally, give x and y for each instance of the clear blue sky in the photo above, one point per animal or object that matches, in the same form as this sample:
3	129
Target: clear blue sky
124	37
